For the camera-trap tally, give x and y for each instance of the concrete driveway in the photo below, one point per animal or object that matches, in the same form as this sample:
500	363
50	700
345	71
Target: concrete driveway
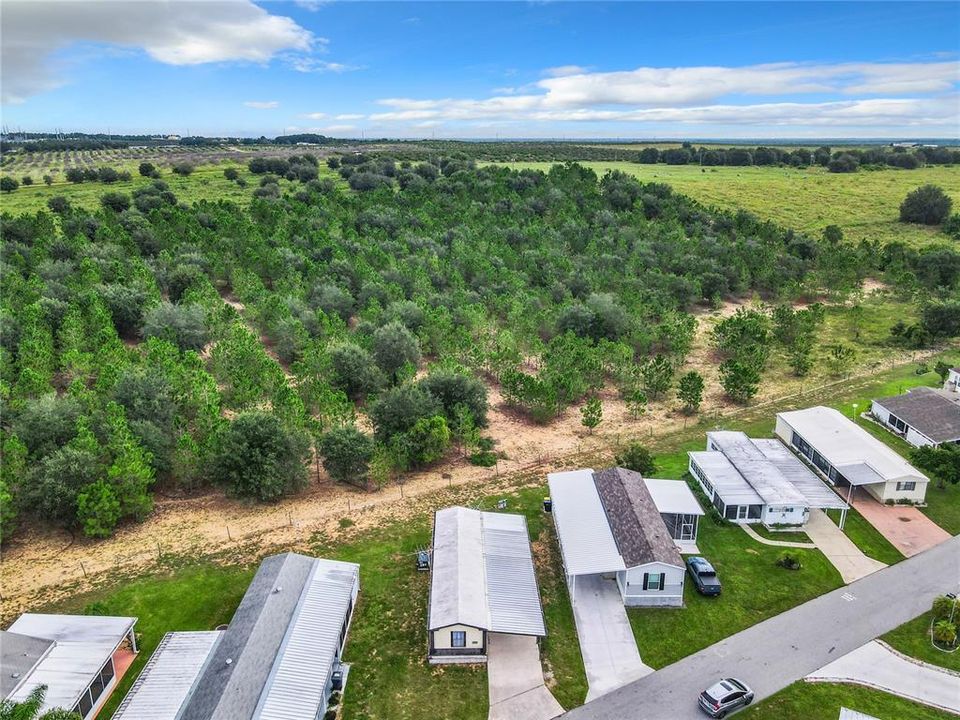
783	649
515	680
840	550
907	529
609	650
879	666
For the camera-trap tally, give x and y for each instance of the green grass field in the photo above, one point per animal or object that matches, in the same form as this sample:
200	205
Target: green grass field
913	639
822	701
754	589
865	204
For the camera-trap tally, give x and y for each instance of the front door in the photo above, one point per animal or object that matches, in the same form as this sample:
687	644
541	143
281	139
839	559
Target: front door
742	511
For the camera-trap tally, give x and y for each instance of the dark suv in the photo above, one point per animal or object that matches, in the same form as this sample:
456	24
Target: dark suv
704	576
724	697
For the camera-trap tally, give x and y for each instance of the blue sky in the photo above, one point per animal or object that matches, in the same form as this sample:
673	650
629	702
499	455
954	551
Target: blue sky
637	70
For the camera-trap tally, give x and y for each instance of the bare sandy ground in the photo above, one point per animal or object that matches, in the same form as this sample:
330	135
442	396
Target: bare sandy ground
43	566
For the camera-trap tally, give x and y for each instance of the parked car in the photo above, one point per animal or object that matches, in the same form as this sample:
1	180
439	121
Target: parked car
704	576
724	697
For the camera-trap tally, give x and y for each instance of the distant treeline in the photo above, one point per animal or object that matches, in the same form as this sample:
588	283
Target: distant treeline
847	159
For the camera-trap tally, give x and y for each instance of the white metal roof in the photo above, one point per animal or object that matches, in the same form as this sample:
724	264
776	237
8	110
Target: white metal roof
729	484
82	645
482	573
817	493
847	714
166	679
673	497
762	475
842	442
586	542
295	687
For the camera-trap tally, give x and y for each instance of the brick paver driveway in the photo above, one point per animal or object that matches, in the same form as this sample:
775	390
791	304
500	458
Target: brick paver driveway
907	529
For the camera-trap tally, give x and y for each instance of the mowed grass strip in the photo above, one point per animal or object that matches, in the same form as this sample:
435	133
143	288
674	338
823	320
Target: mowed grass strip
754	588
195	597
822	701
865	204
913	639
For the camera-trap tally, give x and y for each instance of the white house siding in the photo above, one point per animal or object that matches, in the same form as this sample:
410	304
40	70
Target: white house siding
888	491
785	515
442	649
913	437
631	586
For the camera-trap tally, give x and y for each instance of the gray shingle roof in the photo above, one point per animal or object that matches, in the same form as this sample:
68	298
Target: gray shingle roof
639	531
18	656
246	661
927	411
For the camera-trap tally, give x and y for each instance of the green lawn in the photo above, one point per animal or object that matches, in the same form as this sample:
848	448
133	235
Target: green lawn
782	535
913	639
866	537
865	204
197	597
754	589
822	701
943	504
390	677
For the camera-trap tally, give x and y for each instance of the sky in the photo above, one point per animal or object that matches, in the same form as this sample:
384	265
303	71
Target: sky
641	70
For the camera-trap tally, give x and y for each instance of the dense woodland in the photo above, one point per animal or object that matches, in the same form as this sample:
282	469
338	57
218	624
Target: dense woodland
152	343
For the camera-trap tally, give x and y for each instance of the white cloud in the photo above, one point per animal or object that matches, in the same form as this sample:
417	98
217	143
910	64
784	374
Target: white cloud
844	95
315	116
311	5
309	64
349	116
565	70
262	104
174	32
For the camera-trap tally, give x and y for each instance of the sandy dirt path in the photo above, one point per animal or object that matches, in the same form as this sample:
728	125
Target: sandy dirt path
43	566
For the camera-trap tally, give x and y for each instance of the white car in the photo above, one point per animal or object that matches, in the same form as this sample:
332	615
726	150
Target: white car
724	697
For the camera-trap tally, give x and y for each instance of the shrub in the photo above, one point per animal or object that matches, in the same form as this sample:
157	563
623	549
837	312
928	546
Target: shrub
231	174
844	163
346	454
258	457
118	202
945	633
394	347
354	370
789	561
183	325
636	457
8	184
944	606
147	169
183	168
26	180
927	205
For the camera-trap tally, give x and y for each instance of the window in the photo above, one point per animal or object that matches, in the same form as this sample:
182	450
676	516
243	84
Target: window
701	476
458	639
897	423
908	486
653	581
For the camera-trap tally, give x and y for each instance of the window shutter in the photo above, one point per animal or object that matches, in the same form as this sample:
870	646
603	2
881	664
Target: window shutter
646	578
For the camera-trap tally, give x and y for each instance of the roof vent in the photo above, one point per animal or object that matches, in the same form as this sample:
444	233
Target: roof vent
15	675
229	661
277	589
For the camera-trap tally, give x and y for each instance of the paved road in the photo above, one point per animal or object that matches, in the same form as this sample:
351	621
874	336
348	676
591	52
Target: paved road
779	651
515	680
876	665
609	649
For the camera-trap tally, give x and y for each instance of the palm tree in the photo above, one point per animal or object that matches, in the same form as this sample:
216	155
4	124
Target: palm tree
29	709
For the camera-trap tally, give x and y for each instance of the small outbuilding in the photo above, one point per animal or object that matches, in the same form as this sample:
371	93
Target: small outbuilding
609	524
79	658
482	581
848	456
278	659
922	416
